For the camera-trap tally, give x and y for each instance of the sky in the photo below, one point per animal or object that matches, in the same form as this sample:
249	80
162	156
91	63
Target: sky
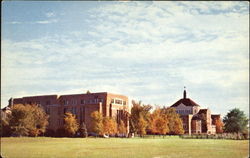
147	51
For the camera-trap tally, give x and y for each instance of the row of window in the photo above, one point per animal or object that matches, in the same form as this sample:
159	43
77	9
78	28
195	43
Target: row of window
38	102
82	101
184	111
118	101
71	110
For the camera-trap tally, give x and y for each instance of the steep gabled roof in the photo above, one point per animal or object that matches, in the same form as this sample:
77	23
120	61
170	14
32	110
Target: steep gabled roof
185	101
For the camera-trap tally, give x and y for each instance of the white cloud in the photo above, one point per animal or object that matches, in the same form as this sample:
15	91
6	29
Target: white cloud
47	21
15	22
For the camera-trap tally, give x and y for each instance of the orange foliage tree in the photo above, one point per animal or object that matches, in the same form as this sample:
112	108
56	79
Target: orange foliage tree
71	126
219	126
122	128
158	124
142	124
97	122
109	125
174	121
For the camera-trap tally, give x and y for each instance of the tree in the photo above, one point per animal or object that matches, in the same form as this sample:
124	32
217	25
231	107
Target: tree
173	120
27	120
160	126
70	124
109	126
178	127
5	130
219	126
19	123
142	124
39	119
122	128
97	122
235	121
158	122
83	130
139	110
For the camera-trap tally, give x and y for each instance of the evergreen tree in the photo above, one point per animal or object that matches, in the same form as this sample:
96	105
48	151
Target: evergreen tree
83	130
235	121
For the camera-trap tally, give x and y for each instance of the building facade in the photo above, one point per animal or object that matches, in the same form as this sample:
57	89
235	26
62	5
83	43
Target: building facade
81	105
195	119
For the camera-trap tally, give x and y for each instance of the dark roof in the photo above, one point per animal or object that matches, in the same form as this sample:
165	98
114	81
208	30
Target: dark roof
196	117
202	111
213	116
185	101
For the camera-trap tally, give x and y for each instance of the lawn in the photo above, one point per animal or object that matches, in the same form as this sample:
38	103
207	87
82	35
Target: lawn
169	147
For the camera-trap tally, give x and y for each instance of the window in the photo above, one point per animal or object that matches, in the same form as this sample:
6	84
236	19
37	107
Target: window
124	102
65	102
74	102
38	103
118	101
82	101
112	101
101	100
47	102
73	110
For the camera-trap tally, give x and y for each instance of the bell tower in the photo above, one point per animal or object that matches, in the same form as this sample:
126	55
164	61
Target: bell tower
184	93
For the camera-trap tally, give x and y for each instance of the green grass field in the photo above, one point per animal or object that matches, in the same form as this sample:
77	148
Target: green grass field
169	147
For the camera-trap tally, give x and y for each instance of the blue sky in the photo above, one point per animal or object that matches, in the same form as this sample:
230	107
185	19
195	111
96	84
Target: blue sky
146	50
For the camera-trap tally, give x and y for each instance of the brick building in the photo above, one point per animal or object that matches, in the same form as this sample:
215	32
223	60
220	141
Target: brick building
195	120
81	105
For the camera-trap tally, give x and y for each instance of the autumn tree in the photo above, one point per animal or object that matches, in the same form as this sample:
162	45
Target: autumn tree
122	128
158	123
70	124
139	112
40	120
27	120
219	126
5	129
109	126
97	122
142	124
173	120
235	121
